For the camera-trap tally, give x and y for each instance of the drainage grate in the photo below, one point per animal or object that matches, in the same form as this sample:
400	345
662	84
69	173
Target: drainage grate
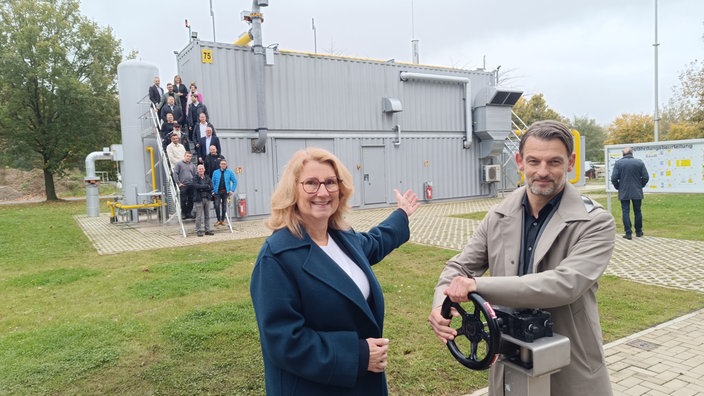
644	345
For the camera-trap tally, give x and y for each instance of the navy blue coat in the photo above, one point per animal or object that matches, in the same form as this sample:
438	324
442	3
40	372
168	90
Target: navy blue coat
629	177
313	320
204	149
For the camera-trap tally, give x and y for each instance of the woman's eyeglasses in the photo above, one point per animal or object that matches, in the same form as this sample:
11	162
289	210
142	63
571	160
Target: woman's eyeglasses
311	186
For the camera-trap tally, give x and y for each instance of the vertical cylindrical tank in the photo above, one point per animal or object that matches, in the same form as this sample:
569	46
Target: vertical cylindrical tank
134	78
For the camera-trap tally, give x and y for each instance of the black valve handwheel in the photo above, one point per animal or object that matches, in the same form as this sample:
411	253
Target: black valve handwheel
480	327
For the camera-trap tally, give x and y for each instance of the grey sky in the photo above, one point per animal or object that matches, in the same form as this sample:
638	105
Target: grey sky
589	58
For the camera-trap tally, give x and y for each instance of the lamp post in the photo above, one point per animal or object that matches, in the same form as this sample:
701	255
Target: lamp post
655	46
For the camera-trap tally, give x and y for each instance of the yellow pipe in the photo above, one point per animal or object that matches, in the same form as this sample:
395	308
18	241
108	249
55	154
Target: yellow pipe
244	39
578	157
157	201
138	206
150	150
522	179
114	204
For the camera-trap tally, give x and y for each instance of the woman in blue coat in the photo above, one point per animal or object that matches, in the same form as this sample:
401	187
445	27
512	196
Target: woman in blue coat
319	307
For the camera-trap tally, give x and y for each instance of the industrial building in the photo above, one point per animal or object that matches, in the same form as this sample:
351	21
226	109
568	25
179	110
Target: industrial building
444	132
436	130
395	125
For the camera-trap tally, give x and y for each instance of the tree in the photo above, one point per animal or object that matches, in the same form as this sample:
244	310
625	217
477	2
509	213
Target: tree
685	130
631	128
685	112
594	136
57	79
535	109
687	102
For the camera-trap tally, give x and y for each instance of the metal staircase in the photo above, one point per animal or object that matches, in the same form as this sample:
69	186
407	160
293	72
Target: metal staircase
511	147
172	193
514	138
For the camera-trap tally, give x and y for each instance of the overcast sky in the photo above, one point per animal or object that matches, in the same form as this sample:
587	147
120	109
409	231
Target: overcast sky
589	58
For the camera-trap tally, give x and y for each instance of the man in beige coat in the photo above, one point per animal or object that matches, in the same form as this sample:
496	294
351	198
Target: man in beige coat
546	248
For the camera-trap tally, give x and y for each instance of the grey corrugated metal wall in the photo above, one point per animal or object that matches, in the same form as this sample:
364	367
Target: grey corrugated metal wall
336	103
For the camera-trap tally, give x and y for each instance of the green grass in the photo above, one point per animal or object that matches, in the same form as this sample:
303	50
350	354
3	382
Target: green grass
676	216
180	321
664	215
478	216
627	307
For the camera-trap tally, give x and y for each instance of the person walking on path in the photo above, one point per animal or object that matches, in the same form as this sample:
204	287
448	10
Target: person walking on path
629	177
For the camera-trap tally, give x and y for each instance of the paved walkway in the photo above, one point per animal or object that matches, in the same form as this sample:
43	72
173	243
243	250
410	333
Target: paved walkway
665	360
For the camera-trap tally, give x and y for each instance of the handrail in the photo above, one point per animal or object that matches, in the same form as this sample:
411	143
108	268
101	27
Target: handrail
156	124
523	124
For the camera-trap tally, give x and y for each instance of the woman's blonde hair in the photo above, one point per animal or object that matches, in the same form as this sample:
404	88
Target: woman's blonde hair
284	212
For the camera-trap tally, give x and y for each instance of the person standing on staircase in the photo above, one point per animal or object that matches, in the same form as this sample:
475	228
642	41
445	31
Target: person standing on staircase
224	185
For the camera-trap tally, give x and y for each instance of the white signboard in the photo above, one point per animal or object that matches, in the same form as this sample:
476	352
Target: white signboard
675	166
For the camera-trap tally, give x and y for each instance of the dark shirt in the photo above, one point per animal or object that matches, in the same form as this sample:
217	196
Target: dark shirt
183	99
165	132
212	163
221	187
532	229
193	116
203	186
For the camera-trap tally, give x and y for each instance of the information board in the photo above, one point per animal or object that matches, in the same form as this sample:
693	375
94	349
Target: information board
675	166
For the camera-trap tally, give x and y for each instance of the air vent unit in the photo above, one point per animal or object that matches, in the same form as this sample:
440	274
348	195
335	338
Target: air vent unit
492	173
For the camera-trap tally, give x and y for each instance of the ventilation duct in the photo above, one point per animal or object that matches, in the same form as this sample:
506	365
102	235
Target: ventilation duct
492	114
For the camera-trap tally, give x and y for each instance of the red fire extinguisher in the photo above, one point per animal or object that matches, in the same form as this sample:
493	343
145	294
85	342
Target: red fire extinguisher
428	188
241	205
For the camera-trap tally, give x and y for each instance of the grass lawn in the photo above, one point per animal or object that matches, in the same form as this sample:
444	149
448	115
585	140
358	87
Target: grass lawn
180	321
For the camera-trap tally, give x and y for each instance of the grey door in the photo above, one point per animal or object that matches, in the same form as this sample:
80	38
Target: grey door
373	175
284	150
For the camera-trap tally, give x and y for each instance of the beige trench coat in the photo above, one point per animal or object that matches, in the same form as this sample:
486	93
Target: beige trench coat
572	253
